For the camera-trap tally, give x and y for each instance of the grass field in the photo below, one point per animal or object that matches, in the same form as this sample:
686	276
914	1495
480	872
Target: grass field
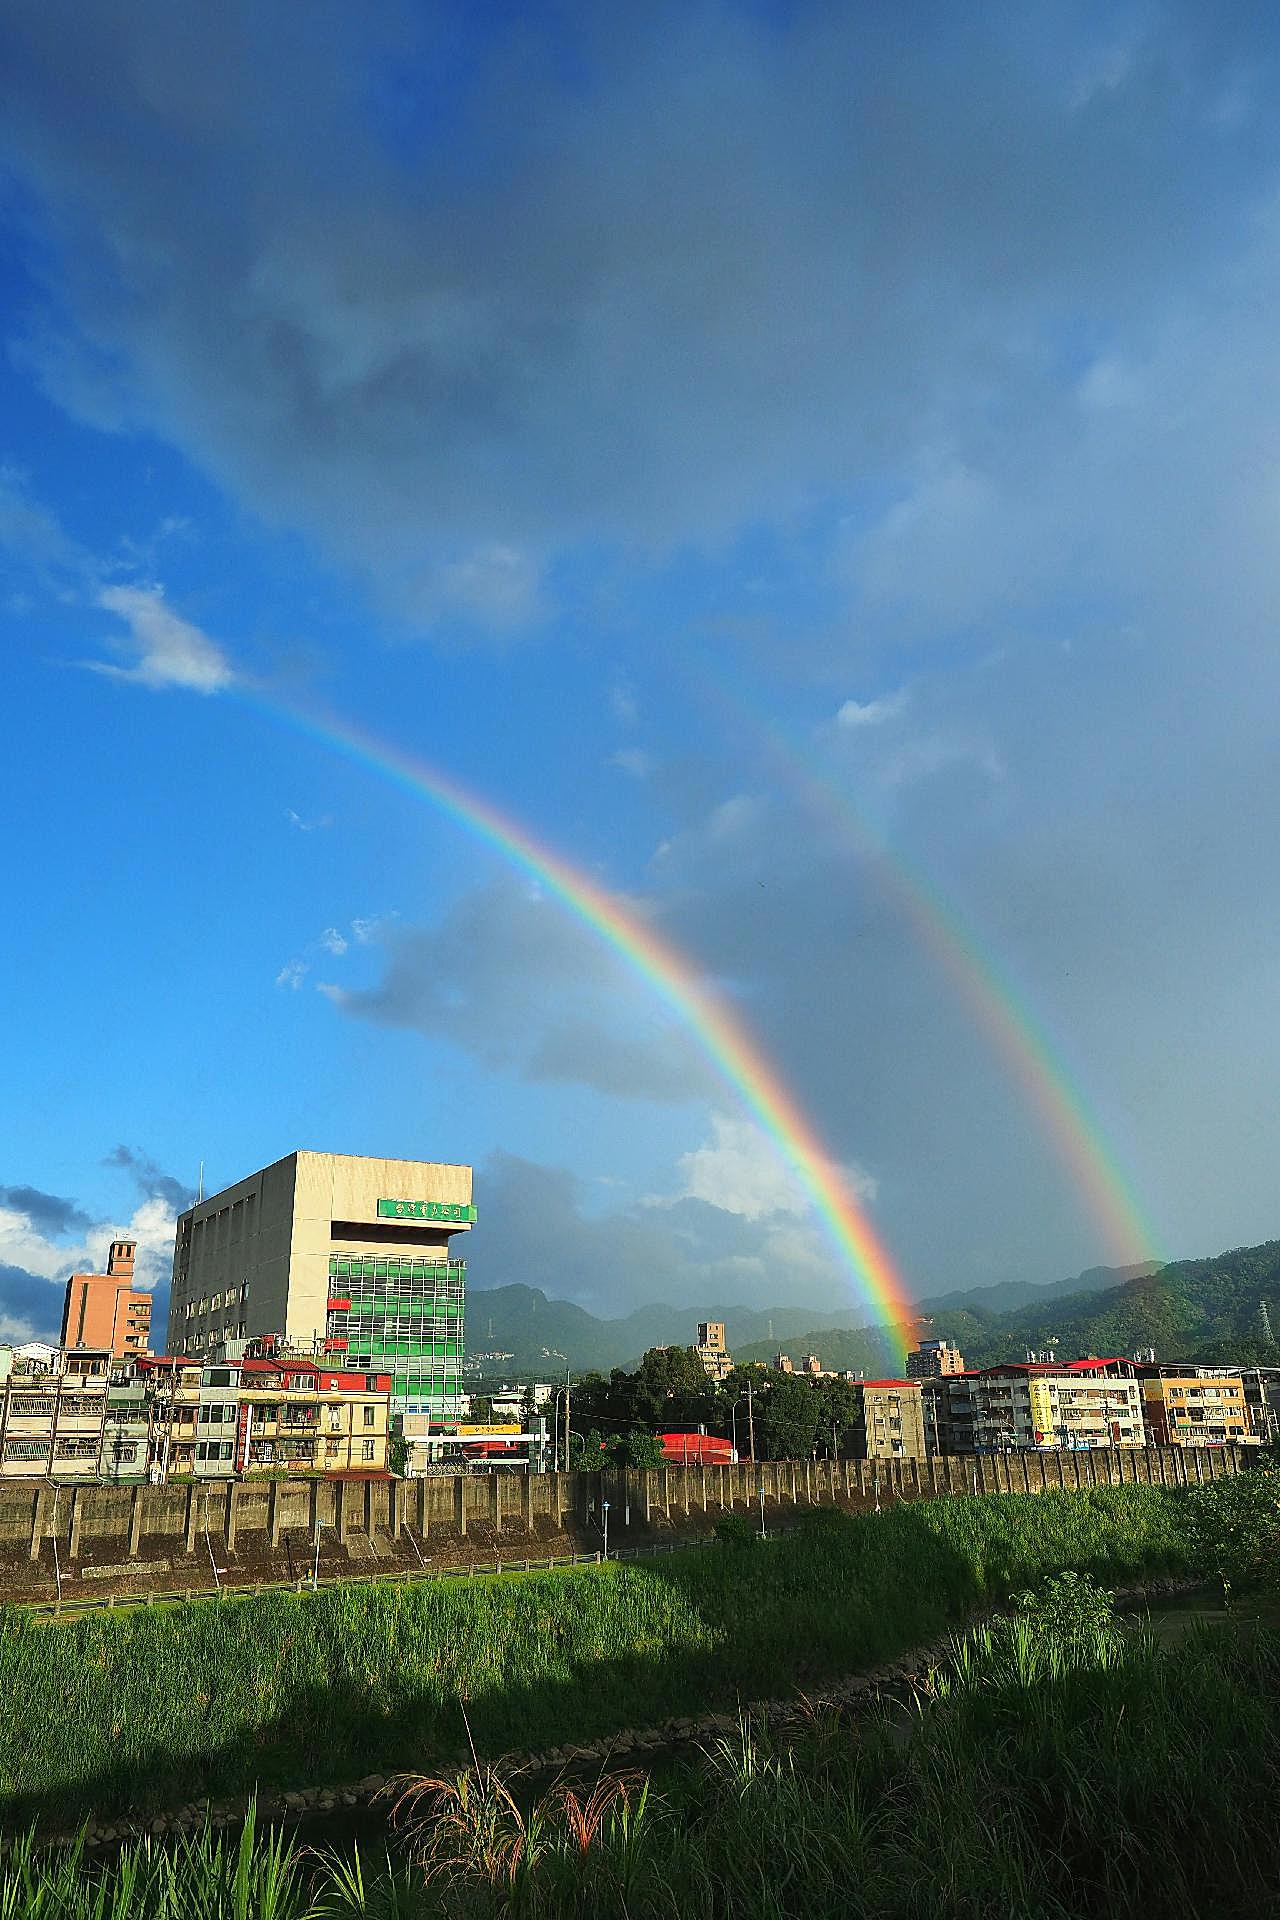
1095	1776
148	1710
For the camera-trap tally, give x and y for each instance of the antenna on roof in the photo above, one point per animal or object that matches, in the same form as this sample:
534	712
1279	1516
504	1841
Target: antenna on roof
200	1185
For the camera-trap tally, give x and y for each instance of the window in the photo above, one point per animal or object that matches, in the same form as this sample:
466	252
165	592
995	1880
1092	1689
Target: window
366	1450
370	1416
332	1449
335	1419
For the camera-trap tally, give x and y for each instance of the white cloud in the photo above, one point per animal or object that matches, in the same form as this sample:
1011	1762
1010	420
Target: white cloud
741	1171
635	761
47	1257
872	713
307	826
293	975
624	704
167	650
333	942
22	1245
498	585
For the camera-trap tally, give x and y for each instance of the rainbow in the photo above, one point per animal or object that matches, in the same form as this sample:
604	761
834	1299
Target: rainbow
1018	1038
720	1034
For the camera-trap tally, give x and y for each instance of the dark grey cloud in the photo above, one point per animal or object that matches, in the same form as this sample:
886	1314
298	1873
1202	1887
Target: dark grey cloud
509	977
537	1228
30	1309
48	1212
454	299
152	1182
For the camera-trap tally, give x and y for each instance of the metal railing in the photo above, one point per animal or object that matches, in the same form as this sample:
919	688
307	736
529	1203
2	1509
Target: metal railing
312	1582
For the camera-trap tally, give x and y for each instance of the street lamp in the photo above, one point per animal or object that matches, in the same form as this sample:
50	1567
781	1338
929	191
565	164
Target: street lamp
604	1509
751	1424
553	1353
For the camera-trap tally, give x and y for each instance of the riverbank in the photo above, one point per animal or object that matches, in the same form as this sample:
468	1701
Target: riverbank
138	1716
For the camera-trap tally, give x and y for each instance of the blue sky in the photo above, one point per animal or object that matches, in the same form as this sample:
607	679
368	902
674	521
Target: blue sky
578	401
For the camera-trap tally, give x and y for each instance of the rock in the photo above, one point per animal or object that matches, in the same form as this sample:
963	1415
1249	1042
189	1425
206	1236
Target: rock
372	1783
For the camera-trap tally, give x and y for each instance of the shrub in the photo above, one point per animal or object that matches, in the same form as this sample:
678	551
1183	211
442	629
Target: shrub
1234	1530
735	1530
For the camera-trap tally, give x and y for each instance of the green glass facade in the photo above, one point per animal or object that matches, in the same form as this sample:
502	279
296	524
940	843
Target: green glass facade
403	1317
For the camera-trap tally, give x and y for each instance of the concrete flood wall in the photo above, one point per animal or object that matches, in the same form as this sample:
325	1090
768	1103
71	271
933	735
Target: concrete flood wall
105	1538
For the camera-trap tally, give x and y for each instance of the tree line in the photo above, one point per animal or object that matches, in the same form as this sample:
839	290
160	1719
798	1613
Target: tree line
790	1416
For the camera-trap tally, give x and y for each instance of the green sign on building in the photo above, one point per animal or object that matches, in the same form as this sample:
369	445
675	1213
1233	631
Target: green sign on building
453	1212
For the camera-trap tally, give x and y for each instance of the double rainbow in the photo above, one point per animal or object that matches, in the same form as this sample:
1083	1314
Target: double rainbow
1071	1129
719	1032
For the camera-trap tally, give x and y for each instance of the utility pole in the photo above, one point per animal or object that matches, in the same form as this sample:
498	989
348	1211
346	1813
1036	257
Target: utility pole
751	1423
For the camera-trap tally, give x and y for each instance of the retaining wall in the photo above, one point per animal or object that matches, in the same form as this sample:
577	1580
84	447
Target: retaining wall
88	1538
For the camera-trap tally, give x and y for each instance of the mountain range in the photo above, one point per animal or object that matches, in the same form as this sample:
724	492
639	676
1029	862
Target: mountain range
1149	1302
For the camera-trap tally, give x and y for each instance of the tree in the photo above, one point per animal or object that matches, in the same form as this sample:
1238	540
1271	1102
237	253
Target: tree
639	1449
587	1452
787	1419
840	1407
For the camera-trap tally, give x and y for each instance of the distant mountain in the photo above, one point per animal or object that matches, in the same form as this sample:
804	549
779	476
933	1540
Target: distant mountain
1176	1308
526	1323
531	1326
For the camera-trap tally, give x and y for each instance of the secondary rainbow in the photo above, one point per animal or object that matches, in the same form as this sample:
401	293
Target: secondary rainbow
1074	1135
719	1032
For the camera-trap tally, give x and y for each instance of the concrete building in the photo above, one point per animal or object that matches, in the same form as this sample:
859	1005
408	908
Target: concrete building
890	1422
1262	1398
1194	1408
288	1414
713	1351
52	1418
335	1254
1038	1404
933	1358
103	1310
126	1428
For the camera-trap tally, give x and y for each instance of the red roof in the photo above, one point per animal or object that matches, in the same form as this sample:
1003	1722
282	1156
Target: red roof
889	1383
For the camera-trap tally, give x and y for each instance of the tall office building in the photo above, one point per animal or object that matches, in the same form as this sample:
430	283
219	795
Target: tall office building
103	1310
333	1253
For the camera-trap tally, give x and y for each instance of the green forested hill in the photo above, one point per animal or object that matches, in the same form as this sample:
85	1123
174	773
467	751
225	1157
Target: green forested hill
1178	1309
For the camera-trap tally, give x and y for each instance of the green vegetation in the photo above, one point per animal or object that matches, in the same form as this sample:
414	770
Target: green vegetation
1234	1532
1054	1767
283	1689
1187	1310
791	1416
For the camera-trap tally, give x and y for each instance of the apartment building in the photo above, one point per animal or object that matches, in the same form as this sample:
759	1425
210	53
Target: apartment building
932	1359
1194	1408
1262	1398
890	1421
281	1413
105	1310
1040	1404
338	1255
713	1351
126	1429
52	1417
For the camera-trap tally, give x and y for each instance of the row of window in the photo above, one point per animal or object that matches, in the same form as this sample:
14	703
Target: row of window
447	1276
380	1340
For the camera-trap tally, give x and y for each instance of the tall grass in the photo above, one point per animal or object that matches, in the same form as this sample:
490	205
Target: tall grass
108	1715
1046	1776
